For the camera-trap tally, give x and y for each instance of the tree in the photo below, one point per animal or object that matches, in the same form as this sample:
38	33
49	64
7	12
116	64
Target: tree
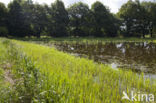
150	7
113	25
104	22
27	7
38	19
79	19
135	19
3	20
16	19
58	19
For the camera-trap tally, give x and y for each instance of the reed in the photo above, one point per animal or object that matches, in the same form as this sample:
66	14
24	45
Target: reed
45	75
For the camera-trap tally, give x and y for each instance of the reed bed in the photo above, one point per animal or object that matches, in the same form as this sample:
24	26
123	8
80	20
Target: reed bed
46	75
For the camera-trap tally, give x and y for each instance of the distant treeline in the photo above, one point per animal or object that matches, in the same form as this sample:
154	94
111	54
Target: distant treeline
23	18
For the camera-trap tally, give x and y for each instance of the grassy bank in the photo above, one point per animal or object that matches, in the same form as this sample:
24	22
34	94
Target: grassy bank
48	75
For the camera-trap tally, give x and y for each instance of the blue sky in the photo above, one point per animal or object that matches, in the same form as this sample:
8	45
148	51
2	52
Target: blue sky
114	5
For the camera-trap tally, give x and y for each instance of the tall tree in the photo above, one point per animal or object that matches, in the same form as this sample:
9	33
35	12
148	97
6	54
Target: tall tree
79	15
16	19
3	20
27	7
104	25
150	7
39	19
135	19
58	19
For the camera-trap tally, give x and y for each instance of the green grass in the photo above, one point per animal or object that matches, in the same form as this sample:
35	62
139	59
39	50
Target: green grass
49	75
5	86
86	39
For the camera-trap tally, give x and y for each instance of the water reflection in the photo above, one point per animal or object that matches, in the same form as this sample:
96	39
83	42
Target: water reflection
140	57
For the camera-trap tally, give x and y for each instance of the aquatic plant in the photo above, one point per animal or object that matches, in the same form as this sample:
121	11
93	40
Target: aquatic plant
44	74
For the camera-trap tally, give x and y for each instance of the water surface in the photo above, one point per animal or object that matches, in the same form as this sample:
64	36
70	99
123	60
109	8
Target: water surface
140	57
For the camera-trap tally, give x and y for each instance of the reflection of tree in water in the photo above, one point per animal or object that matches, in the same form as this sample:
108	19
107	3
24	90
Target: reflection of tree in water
135	54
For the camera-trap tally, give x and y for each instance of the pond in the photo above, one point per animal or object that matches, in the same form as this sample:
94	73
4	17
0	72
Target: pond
140	57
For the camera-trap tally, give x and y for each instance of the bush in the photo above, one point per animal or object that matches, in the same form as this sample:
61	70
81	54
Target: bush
3	31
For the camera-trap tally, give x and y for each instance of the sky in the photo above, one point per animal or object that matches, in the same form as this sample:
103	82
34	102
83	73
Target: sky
114	5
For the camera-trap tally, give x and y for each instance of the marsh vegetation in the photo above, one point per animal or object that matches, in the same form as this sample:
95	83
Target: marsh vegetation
42	74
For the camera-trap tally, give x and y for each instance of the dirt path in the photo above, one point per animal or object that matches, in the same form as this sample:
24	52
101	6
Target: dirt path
9	77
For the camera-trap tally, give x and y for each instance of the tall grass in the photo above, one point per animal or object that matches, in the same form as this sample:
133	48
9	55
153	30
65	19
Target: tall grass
5	86
23	83
45	75
86	40
71	79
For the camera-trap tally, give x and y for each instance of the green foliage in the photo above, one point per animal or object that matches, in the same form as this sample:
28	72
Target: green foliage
3	14
28	12
3	20
79	19
58	18
104	22
26	84
150	7
136	19
38	19
3	31
17	26
23	18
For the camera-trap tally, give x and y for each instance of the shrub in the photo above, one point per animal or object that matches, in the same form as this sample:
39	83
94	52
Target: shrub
3	31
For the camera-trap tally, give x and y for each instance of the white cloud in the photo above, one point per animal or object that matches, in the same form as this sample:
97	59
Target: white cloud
114	5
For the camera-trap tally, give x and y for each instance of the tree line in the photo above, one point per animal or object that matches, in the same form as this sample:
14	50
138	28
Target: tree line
23	18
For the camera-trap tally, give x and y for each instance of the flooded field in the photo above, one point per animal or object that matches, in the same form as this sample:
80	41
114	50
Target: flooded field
140	57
